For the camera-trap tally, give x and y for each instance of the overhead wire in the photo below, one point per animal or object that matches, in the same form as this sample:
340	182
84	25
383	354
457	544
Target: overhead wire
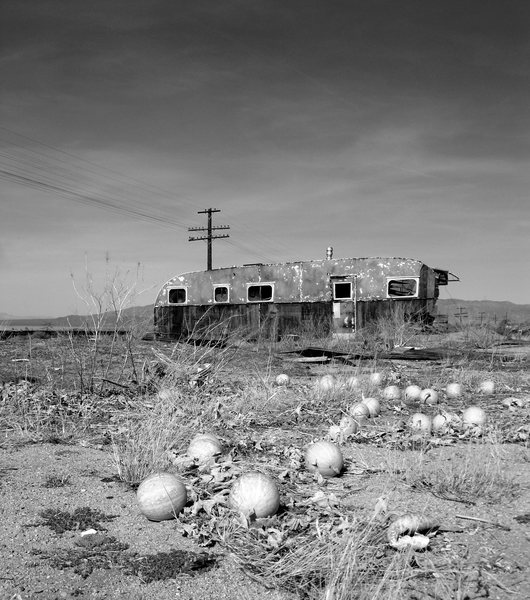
261	243
83	198
92	200
57	174
122	178
50	173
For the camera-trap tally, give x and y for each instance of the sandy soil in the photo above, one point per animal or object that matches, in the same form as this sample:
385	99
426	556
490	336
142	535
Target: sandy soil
28	545
490	550
25	574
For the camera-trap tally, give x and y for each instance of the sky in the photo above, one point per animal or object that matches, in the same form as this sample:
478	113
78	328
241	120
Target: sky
377	127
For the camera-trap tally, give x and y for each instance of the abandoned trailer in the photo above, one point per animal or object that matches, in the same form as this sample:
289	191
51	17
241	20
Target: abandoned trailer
332	295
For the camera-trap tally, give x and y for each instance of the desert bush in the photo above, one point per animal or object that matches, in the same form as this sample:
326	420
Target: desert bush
111	333
181	402
144	439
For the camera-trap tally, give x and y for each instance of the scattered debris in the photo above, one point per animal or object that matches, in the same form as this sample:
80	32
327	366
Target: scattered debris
316	354
514	403
399	533
487	521
523	518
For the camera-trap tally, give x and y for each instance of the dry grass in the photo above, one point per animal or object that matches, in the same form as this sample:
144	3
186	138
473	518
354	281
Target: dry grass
144	441
34	413
353	563
315	563
322	554
476	474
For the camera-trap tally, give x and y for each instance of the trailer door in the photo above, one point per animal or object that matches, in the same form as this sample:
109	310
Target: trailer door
344	302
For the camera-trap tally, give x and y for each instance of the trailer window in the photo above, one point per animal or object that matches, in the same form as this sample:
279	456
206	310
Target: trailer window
220	293
342	290
402	288
177	296
260	292
441	277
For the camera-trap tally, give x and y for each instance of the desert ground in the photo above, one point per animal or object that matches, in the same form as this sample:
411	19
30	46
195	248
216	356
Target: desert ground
85	420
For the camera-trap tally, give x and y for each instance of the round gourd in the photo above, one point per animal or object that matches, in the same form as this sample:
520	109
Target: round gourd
453	390
429	396
161	496
326	383
348	425
474	416
255	493
283	379
453	419
324	457
412	393
376	379
359	411
334	433
392	393
440	423
487	387
205	446
166	395
421	422
373	406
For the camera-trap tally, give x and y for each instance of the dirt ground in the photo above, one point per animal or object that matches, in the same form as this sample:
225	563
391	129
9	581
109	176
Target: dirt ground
485	539
28	544
500	546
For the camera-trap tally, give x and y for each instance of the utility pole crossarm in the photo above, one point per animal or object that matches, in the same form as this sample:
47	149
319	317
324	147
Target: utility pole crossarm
206	228
206	237
209	236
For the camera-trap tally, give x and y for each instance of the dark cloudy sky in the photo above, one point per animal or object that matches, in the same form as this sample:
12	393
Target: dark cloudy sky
380	127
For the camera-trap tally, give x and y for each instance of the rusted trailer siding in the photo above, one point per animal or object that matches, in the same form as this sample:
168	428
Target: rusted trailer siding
271	320
282	298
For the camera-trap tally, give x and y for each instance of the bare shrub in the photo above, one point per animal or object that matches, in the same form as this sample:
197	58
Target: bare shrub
110	331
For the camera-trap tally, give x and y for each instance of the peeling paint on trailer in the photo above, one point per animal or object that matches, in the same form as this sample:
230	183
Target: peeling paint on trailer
283	297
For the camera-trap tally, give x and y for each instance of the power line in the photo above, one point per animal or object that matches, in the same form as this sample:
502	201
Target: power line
124	178
64	174
84	198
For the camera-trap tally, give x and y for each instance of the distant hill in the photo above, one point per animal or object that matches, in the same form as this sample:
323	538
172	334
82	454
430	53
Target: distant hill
142	314
457	311
483	311
8	317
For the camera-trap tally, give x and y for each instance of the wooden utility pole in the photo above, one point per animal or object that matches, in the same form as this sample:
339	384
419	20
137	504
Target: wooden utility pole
461	314
208	237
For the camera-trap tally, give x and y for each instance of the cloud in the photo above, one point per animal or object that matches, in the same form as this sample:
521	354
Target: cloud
379	127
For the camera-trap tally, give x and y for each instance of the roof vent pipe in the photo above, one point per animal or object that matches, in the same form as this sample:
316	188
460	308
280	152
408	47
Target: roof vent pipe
329	253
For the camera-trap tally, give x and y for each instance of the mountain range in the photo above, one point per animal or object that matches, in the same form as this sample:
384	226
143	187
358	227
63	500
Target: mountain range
142	314
483	311
457	311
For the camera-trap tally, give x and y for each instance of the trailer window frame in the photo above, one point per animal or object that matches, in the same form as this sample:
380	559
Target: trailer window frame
336	284
177	288
404	295
261	285
218	286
